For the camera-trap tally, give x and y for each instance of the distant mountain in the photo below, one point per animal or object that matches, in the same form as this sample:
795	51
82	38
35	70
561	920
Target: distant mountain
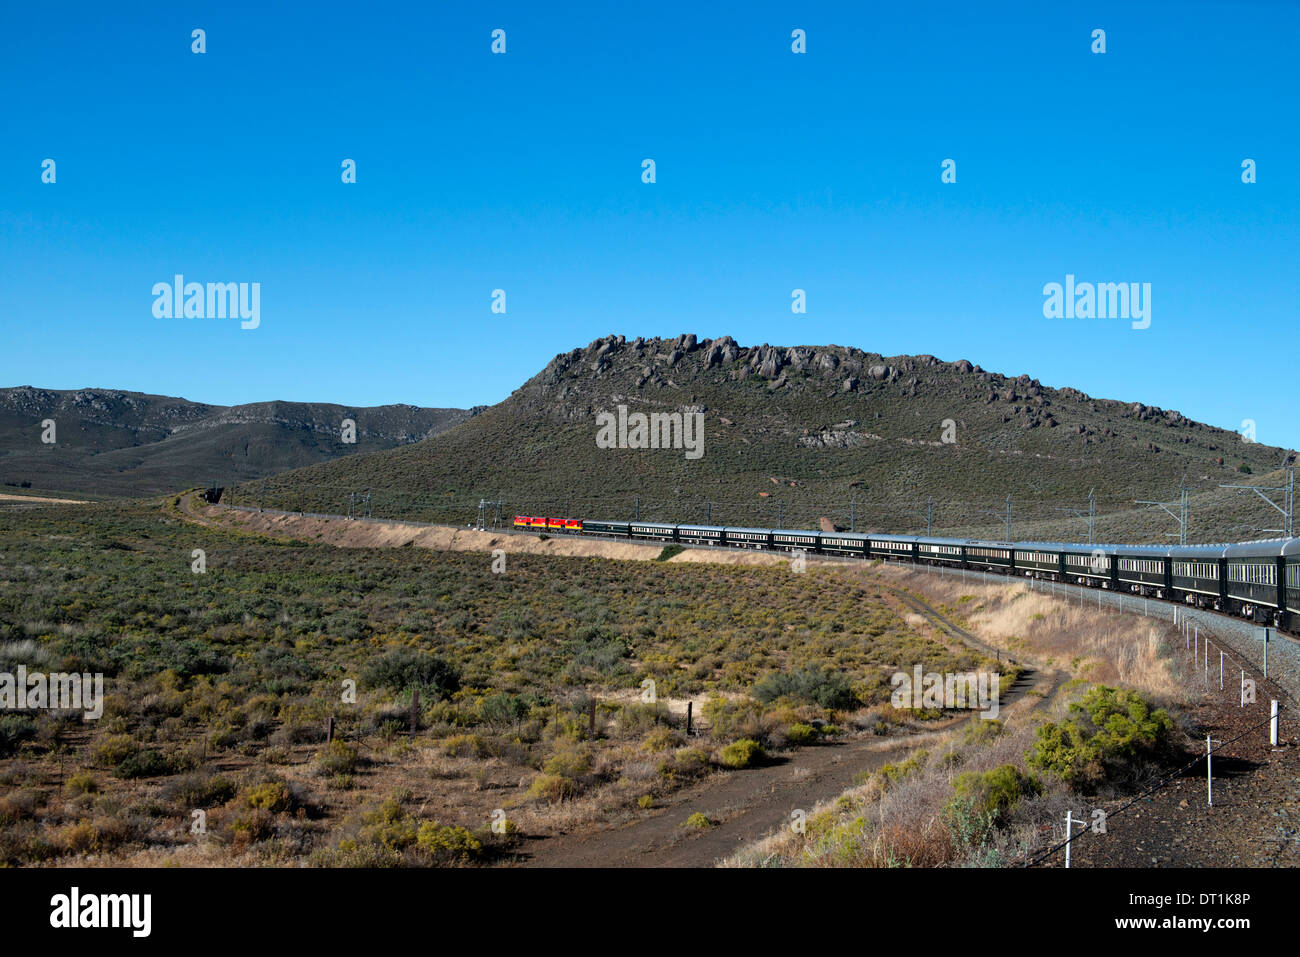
110	442
795	434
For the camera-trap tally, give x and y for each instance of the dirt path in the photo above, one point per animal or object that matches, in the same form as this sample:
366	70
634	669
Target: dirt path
37	499
746	806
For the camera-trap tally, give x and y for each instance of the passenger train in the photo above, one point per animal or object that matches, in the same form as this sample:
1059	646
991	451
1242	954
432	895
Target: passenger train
1259	581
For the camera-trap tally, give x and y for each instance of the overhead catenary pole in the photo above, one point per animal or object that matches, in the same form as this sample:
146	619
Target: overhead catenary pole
1181	516
1287	508
1091	516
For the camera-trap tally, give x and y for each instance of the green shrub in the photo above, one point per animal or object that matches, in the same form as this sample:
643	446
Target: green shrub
996	792
800	734
811	683
686	763
448	844
143	764
272	796
1106	736
200	790
114	750
338	757
404	668
669	551
742	754
14	730
83	782
698	820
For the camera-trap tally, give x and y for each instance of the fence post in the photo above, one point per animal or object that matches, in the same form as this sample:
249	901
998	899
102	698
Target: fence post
1220	670
329	730
1209	775
1266	631
1272	725
1243	687
1069	837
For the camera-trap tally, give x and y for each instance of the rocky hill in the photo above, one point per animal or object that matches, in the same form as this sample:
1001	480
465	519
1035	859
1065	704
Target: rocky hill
804	433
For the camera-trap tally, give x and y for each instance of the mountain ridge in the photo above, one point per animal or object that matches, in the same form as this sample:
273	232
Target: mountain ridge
120	442
795	434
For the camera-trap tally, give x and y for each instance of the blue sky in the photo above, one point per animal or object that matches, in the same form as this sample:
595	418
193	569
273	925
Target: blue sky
775	171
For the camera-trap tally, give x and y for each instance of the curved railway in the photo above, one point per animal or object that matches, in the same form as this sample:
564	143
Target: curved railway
1257	581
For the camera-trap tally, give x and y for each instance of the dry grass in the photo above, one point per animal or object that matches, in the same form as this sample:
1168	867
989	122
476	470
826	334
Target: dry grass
1100	646
902	822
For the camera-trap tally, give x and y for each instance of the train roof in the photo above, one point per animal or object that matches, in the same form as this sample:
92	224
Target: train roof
745	528
1270	548
1209	551
701	528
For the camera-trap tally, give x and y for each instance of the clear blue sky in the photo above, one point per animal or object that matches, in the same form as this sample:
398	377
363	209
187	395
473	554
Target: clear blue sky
775	171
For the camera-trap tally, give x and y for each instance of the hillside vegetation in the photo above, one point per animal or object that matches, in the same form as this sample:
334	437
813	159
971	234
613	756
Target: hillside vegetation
219	686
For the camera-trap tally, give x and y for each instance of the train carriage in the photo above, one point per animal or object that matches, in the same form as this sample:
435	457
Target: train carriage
654	531
791	539
844	543
989	554
1144	569
1092	566
1256	578
892	546
1291	578
943	551
748	537
1040	558
699	534
616	529
1196	571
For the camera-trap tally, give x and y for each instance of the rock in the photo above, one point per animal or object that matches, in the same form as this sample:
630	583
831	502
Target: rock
850	384
962	366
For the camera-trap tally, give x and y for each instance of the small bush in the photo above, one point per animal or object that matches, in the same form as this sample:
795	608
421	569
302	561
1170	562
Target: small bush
994	793
744	753
448	844
143	764
812	684
83	782
338	757
799	734
272	796
114	750
404	668
1106	736
698	820
14	730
